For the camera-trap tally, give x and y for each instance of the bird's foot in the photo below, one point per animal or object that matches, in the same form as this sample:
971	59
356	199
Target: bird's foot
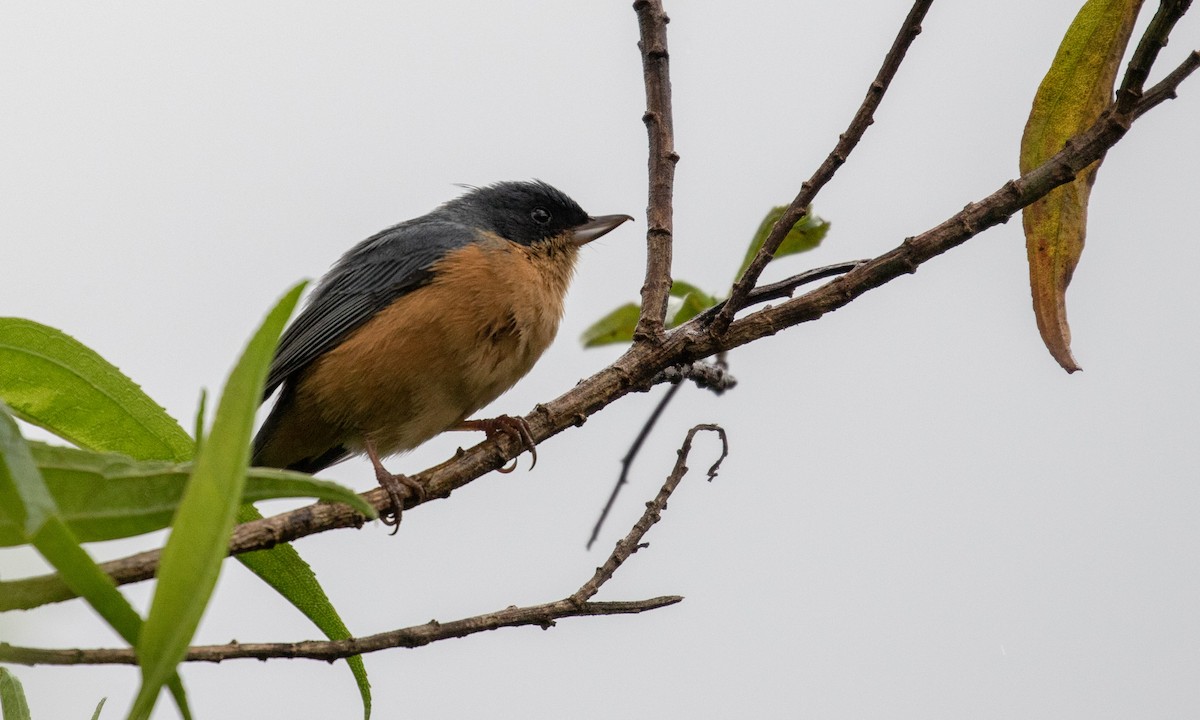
398	487
514	427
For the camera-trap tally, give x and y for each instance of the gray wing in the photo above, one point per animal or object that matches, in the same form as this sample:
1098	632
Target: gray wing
364	281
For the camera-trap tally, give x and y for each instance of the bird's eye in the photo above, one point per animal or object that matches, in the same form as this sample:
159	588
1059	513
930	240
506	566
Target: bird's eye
540	215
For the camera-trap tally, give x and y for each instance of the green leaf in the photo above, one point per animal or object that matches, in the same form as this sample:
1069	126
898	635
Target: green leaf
53	381
191	560
24	496
282	568
689	300
99	707
692	302
1075	91
805	235
683	288
104	496
31	505
201	408
12	697
57	383
615	327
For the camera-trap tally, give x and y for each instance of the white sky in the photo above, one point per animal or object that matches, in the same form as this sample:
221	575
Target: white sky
923	517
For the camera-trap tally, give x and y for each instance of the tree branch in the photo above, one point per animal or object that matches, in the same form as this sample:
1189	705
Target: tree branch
846	143
652	23
1165	89
627	461
1079	152
1153	40
787	287
544	616
637	368
631	542
707	376
577	604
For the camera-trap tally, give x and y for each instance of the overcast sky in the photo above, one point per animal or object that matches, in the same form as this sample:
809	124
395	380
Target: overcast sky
922	515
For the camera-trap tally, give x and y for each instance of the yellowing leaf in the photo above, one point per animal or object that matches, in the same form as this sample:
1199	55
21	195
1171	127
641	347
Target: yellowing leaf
1075	91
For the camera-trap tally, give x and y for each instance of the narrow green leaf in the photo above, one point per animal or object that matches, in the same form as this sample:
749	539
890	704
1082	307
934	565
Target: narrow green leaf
27	498
12	697
191	560
99	707
22	489
1076	90
104	496
201	407
23	495
615	327
175	687
55	542
282	568
53	381
804	236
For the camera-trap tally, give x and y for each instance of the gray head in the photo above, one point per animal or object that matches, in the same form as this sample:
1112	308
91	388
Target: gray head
523	212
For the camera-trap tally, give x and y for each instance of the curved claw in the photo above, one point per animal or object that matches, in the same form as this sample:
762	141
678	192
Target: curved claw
398	487
395	514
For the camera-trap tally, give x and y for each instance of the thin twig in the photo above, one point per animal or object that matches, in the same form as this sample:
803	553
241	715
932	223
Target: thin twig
627	461
707	376
785	288
652	24
577	604
543	616
632	542
1153	40
1078	153
1165	89
809	189
688	343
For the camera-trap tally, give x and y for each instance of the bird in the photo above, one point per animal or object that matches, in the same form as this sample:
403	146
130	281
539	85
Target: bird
419	326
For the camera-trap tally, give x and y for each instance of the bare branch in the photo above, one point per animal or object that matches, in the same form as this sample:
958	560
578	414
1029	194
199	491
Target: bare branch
545	615
627	461
709	376
787	287
632	542
1153	40
1165	89
652	22
809	189
329	650
1078	153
